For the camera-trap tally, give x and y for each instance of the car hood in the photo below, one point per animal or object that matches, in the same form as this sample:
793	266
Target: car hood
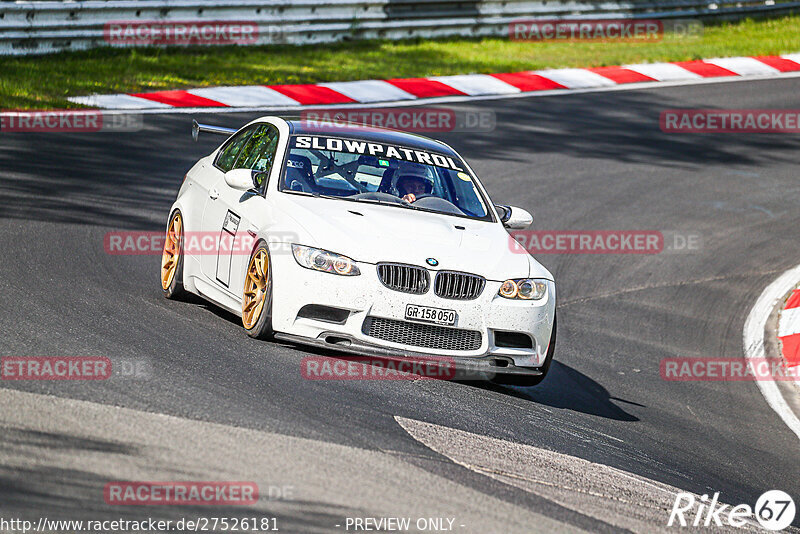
371	233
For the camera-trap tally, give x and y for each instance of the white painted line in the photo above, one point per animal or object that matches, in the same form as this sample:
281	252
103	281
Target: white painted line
789	322
118	102
792	57
575	78
477	84
369	91
743	66
663	71
245	95
618	498
754	342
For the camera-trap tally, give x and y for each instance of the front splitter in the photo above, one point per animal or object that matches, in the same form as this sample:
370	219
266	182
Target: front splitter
482	367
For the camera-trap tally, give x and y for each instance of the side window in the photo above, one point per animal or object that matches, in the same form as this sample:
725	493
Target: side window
228	154
259	152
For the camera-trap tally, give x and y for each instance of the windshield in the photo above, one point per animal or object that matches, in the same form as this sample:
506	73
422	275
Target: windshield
357	170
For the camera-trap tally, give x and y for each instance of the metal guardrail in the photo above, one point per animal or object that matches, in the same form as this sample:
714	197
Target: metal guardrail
40	27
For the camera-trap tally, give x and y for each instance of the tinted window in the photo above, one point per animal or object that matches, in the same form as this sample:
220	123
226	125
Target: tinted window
228	154
348	174
259	151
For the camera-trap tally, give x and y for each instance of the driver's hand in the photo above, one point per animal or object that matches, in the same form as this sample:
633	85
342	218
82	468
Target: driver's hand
411	197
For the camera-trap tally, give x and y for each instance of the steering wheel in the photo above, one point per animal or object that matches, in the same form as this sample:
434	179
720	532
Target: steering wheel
419	197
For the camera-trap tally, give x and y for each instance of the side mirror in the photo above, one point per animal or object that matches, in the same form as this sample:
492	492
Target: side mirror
514	218
245	179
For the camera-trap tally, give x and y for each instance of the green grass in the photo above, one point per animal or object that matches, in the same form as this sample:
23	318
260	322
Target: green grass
46	81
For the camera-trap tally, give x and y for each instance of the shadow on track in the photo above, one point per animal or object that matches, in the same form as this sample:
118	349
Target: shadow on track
77	494
128	180
564	388
620	126
567	388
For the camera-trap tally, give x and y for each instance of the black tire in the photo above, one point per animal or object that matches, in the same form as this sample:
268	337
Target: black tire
526	380
175	290
262	329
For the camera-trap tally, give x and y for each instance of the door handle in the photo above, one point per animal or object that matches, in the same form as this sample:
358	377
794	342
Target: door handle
213	193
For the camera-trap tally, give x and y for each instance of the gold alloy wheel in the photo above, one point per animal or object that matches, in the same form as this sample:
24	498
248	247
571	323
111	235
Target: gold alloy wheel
172	251
255	289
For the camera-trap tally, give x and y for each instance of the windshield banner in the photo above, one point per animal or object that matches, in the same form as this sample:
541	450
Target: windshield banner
354	146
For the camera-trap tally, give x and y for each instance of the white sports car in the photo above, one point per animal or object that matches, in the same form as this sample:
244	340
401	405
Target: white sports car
363	240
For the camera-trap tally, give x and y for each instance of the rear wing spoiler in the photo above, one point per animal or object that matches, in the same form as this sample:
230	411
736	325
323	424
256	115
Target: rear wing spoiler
197	128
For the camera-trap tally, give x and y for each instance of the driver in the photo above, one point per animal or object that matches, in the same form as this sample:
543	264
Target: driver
414	183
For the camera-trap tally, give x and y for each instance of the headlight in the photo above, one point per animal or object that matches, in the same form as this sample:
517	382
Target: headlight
523	288
322	260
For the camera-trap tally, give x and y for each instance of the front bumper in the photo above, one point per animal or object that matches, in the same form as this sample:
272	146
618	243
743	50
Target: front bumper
452	368
364	297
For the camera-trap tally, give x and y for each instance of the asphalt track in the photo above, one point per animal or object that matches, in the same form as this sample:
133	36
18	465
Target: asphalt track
238	409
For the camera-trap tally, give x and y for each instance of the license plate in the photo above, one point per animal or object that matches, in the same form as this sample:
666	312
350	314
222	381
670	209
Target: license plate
427	314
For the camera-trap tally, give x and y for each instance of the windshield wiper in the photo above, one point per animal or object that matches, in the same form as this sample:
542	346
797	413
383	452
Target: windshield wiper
376	201
406	205
320	195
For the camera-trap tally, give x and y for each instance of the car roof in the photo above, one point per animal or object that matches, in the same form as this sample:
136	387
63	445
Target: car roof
368	133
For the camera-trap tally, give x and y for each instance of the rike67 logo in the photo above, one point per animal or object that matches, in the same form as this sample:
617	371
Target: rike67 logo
774	510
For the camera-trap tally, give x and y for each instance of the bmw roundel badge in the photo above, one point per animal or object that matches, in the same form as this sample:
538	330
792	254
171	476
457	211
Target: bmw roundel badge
432	262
